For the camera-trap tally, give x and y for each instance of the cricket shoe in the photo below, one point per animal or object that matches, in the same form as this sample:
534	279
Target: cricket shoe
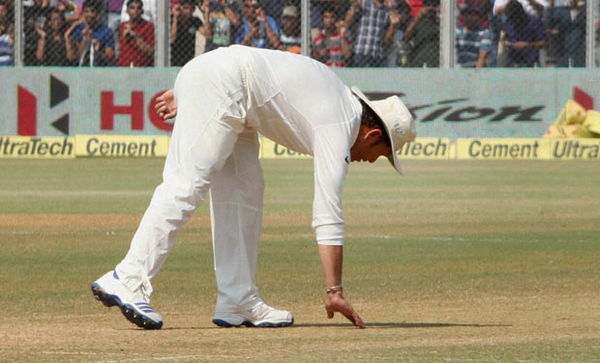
260	315
134	305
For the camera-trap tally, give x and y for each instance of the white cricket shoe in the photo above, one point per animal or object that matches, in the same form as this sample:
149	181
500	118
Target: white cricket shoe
135	305
260	315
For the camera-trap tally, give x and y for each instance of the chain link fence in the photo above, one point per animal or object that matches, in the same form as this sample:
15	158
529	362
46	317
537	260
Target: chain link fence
339	33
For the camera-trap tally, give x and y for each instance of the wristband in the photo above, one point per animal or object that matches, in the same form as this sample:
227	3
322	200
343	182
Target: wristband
335	288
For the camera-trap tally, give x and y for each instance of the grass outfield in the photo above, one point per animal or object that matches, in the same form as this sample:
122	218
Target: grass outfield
456	261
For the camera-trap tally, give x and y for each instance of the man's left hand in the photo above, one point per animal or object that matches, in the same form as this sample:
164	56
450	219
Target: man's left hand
165	106
336	303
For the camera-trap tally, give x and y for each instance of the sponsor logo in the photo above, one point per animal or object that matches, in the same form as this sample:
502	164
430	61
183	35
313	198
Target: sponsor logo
459	109
108	111
27	108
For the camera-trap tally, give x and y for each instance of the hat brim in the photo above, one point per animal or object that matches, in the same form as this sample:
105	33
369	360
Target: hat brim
394	157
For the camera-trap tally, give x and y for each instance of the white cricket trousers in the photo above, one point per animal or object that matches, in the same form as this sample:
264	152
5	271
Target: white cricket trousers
212	148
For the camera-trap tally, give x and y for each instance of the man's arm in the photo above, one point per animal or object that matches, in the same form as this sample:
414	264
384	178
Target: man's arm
233	16
332	260
271	30
330	148
482	60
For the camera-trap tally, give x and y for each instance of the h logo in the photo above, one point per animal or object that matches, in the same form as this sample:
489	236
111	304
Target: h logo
27	108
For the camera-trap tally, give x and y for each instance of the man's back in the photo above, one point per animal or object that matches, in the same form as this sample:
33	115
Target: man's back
293	96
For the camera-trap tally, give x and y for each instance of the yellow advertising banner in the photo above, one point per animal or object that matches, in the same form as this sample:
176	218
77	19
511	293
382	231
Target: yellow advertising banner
427	148
503	149
121	146
50	147
574	149
272	150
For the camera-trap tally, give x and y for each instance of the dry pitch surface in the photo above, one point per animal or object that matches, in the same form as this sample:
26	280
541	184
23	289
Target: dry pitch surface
454	262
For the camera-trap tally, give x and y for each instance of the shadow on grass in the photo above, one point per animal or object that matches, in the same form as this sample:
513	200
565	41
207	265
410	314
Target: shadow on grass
403	325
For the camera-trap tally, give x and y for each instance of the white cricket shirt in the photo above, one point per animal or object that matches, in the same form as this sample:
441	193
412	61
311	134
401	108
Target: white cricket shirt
301	104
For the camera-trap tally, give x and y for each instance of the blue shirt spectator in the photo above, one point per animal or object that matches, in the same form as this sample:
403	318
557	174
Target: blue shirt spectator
101	33
473	43
373	22
525	36
259	30
94	42
6	49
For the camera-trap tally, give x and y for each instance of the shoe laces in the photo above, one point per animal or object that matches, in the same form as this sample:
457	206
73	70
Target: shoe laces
145	289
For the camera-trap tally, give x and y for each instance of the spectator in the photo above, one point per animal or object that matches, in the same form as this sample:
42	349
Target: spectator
222	19
532	7
149	13
423	32
94	42
568	25
332	46
274	8
183	32
484	6
415	6
395	47
7	37
259	30
64	6
34	16
473	43
524	36
136	38
316	12
113	15
291	38
73	10
6	15
373	21
54	46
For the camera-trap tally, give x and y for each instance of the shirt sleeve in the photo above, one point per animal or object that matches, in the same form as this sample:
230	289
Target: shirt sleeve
108	39
331	156
273	25
485	41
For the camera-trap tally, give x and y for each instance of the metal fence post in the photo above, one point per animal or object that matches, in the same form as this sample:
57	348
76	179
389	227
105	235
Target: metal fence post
305	27
162	32
19	38
590	33
447	33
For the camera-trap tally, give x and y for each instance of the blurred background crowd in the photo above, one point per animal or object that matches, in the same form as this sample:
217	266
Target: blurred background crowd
341	33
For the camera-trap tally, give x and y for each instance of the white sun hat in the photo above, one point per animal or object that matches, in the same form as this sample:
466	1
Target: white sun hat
398	122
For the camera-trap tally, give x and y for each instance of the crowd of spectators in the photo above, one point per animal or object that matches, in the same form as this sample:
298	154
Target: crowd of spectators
359	33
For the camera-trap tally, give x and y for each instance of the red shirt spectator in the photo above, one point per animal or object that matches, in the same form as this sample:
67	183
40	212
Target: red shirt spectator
415	6
136	38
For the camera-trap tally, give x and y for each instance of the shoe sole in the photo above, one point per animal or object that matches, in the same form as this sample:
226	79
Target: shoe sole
249	324
128	311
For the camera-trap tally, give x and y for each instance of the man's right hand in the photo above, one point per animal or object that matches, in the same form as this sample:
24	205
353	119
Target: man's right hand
336	303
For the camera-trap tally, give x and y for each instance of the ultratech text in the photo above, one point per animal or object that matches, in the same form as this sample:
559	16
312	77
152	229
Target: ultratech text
35	146
416	148
575	150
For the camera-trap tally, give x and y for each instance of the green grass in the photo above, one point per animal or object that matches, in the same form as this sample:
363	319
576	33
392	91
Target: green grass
455	261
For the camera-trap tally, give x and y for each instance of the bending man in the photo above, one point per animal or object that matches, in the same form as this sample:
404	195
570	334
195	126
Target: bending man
222	100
